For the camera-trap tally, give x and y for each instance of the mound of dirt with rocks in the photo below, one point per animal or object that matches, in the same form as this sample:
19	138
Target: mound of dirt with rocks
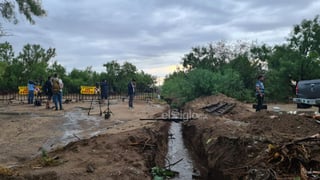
242	144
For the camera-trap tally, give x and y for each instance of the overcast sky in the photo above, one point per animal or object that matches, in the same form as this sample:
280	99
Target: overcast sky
153	35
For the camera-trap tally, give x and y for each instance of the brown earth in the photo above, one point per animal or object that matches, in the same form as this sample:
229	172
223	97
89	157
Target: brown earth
37	143
243	144
33	141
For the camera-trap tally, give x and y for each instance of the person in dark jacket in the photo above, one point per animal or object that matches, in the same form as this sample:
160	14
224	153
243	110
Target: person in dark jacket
104	90
131	92
259	92
47	88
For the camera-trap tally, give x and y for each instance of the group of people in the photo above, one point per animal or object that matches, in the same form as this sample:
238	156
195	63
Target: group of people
53	90
54	85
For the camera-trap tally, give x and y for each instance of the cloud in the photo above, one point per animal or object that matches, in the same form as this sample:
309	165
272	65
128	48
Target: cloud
154	34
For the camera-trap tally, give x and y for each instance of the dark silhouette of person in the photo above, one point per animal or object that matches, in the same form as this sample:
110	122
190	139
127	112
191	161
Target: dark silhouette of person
131	92
259	92
47	88
104	89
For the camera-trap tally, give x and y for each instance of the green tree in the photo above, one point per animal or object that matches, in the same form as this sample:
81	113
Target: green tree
305	39
201	82
247	68
6	58
229	82
201	57
35	60
176	89
146	82
6	52
28	8
112	74
77	78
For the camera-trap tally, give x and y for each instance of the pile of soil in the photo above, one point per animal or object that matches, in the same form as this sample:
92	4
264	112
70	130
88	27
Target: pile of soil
126	155
243	144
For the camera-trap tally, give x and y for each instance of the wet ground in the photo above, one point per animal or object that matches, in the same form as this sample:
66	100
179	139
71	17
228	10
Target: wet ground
27	131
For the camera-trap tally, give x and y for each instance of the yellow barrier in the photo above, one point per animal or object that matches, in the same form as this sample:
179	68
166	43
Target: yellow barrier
88	90
23	90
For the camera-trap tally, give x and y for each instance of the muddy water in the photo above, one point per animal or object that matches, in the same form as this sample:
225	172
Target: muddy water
178	151
77	125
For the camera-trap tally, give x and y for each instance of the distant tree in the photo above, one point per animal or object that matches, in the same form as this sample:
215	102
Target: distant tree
210	57
112	73
6	52
6	58
77	78
35	60
305	39
247	68
176	89
146	82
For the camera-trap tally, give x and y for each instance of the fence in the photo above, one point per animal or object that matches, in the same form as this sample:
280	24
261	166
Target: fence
16	97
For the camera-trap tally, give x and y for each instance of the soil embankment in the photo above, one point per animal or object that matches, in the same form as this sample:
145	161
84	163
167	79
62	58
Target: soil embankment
242	144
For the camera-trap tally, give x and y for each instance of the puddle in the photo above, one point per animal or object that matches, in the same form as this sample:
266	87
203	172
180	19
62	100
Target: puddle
77	125
178	151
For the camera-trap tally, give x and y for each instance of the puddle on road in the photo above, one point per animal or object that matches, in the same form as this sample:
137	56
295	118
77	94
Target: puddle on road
77	124
178	151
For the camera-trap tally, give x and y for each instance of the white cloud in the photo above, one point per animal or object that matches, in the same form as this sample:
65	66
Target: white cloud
154	34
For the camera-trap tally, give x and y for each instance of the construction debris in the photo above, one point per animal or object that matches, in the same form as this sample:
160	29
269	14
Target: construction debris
219	108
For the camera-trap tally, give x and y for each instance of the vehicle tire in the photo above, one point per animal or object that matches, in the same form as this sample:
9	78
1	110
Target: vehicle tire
303	106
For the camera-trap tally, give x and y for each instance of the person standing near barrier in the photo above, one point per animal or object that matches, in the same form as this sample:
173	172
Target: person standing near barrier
131	92
31	87
47	89
259	92
104	90
57	86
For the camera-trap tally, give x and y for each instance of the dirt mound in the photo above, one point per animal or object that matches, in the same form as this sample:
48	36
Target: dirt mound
281	128
240	109
244	144
127	155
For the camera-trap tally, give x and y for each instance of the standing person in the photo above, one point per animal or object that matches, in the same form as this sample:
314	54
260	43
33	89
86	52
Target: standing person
259	92
104	90
47	88
31	88
57	86
131	92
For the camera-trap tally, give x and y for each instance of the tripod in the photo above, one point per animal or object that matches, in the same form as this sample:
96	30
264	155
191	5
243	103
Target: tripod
92	103
107	112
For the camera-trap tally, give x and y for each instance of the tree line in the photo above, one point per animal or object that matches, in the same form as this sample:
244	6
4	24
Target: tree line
221	67
232	68
36	63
